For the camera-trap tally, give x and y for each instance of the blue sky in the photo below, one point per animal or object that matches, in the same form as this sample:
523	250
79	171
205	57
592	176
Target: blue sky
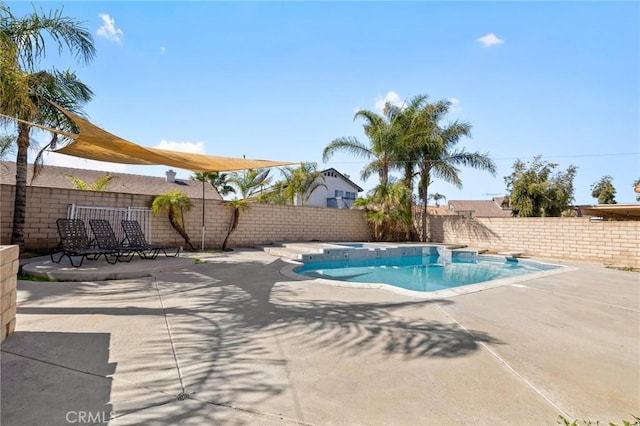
279	81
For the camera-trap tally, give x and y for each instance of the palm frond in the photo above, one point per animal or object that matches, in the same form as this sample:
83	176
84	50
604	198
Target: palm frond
349	145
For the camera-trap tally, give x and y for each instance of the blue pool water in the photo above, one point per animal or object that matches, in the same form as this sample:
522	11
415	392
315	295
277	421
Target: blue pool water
421	273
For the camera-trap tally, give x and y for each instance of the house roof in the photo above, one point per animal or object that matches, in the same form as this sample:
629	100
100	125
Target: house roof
620	211
56	177
345	178
481	208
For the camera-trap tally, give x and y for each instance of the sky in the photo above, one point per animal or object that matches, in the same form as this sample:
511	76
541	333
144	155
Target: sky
280	80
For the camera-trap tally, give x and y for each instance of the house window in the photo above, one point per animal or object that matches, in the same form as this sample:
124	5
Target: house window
339	193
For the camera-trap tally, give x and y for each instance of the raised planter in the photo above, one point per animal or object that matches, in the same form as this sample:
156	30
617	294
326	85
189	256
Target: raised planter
8	293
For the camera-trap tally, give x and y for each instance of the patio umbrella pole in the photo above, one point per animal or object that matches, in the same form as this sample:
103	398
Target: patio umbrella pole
203	212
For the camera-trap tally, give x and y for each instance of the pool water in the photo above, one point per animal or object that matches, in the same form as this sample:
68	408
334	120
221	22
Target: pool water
422	273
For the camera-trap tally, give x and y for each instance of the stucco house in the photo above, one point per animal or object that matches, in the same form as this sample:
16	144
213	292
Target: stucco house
340	191
336	191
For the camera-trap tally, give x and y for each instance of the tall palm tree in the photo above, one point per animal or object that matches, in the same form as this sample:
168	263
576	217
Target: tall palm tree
380	150
175	203
25	93
438	154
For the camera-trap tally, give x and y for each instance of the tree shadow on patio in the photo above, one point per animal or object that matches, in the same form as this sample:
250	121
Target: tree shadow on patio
71	385
225	343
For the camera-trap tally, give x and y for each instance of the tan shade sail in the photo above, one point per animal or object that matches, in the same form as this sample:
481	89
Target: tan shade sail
97	144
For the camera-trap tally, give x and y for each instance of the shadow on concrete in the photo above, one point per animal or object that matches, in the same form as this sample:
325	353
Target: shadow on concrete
46	392
224	317
225	342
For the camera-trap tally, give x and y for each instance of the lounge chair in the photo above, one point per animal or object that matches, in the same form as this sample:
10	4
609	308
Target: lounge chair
134	236
106	239
74	242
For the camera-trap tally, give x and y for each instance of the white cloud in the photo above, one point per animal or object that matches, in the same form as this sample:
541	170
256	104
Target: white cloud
61	160
455	105
489	40
190	147
162	50
108	29
391	97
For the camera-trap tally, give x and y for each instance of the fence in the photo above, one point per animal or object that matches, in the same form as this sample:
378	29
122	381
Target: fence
114	215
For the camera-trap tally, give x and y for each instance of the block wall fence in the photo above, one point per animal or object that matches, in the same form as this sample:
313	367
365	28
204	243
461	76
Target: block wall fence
568	238
615	242
259	224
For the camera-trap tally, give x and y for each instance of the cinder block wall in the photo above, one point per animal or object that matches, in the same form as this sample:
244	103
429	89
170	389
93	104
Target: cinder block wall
259	224
569	238
8	295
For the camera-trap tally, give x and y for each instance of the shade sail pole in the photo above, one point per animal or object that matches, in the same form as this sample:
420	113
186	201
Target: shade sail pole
202	211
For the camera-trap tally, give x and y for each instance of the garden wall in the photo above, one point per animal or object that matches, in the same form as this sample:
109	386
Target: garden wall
616	242
9	265
259	224
570	238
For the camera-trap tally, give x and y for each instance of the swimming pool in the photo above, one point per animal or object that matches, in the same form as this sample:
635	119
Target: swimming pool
423	273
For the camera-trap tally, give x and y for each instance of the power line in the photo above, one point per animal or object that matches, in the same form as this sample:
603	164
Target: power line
617	154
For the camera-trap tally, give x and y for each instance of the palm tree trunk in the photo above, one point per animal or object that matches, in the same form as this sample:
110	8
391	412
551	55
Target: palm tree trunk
180	230
425	213
20	203
408	183
234	225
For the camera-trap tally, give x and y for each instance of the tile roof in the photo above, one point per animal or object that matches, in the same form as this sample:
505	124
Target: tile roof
481	208
55	177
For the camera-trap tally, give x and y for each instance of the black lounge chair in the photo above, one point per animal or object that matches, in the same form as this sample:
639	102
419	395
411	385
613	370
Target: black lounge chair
106	239
134	236
74	242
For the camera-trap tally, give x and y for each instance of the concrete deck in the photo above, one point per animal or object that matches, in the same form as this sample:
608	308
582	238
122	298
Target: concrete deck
233	341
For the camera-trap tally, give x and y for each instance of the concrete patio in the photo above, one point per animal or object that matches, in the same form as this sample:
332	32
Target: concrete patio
233	341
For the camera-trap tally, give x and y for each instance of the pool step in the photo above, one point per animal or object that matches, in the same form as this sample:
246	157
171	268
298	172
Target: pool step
292	251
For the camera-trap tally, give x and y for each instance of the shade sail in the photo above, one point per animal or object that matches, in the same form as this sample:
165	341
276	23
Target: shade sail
97	144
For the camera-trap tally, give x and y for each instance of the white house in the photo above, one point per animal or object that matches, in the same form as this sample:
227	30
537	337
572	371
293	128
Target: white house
339	193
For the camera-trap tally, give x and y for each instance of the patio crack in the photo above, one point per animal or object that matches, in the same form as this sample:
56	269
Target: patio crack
513	371
183	394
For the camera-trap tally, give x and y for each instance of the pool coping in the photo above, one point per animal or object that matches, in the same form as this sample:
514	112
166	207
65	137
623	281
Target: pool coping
288	271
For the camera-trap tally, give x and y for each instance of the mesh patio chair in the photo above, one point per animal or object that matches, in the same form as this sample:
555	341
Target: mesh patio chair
106	239
134	236
74	243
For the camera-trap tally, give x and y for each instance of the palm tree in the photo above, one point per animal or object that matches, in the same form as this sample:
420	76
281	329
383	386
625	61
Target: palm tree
437	154
100	184
380	151
218	180
247	183
175	203
300	182
384	210
437	197
6	146
25	93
